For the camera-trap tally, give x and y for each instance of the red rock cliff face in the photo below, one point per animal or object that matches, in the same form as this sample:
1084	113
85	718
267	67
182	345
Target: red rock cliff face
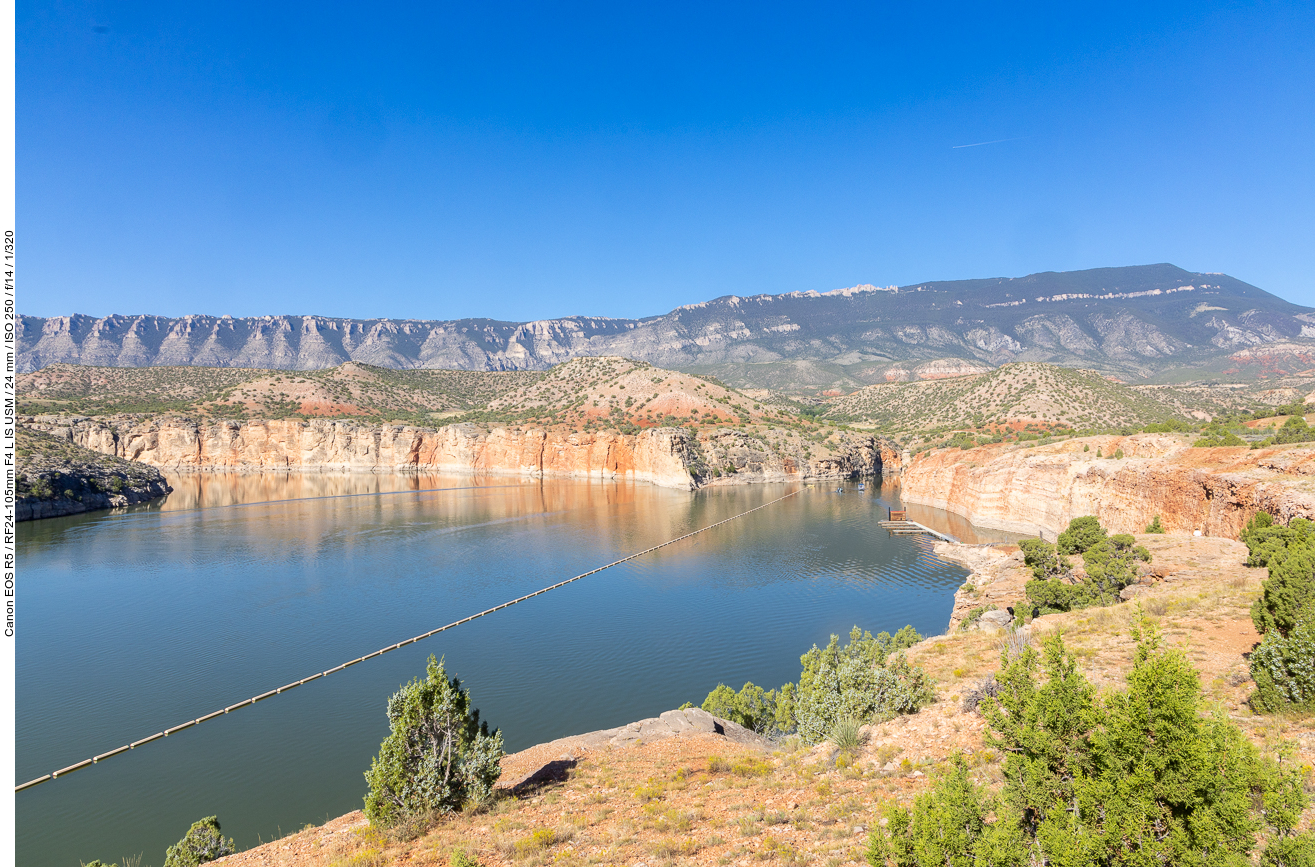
658	456
1039	490
670	457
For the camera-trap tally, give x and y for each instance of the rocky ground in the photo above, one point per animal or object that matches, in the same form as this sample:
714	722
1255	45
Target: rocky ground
639	796
56	477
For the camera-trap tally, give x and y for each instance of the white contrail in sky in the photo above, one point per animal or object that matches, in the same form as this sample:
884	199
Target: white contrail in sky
980	143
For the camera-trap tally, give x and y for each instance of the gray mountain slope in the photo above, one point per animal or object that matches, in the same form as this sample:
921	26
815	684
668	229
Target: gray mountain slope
1135	321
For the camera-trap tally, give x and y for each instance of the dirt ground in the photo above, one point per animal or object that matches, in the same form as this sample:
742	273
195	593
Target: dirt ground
699	799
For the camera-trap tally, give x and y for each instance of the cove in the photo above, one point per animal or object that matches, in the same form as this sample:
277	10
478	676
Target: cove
139	620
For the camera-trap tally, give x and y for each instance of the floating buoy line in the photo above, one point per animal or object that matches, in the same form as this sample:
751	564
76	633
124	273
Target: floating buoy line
296	683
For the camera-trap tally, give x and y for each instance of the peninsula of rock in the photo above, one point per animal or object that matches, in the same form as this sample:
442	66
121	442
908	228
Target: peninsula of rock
58	477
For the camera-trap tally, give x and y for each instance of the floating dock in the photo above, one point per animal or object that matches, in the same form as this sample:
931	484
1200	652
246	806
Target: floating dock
900	525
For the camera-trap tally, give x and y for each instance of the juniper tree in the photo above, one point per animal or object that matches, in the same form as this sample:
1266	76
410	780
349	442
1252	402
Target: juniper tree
1283	666
200	845
437	757
1143	778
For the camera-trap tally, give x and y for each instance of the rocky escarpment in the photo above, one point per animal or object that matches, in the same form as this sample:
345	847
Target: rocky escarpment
1039	490
730	456
670	457
1132	319
56	477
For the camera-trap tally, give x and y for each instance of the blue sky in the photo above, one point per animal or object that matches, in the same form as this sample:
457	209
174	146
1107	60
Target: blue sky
536	160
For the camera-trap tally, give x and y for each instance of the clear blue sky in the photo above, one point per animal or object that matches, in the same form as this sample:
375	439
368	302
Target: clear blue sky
547	159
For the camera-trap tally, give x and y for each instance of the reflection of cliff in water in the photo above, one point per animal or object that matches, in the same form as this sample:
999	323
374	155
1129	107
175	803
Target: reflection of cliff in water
305	505
946	522
197	490
293	509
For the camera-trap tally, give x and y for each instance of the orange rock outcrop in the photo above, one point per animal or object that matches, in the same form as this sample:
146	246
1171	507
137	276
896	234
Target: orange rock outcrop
1040	489
656	455
670	457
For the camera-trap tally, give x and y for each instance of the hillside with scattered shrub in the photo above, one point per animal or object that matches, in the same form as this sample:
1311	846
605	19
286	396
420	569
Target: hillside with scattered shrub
348	391
55	477
1010	396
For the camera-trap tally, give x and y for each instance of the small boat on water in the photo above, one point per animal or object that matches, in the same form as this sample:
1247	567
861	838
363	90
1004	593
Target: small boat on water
862	486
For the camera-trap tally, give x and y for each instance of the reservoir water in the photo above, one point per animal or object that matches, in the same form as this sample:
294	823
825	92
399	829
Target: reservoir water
137	621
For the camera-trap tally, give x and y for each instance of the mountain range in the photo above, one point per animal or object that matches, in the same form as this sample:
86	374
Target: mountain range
1140	322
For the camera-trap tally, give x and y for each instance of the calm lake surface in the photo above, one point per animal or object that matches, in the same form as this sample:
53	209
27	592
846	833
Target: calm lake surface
137	621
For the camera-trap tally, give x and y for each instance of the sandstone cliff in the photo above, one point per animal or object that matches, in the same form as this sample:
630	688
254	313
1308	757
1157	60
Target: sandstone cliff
670	457
1040	489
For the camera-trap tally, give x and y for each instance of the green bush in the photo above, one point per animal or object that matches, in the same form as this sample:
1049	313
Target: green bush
1044	561
461	858
868	678
1173	425
763	711
1283	667
1296	850
1143	777
1217	438
846	735
201	844
1110	563
1294	430
948	827
1155	526
1081	534
438	756
962	440
1288	595
1267	541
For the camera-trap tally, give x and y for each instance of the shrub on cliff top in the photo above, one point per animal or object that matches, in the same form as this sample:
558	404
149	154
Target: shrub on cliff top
1080	535
764	711
201	844
1283	666
437	757
1044	561
1141	777
1288	595
1110	563
867	678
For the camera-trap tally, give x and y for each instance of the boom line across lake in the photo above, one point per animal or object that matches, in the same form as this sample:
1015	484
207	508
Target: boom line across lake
296	683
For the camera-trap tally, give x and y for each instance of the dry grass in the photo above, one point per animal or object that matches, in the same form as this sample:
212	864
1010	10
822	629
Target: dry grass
701	800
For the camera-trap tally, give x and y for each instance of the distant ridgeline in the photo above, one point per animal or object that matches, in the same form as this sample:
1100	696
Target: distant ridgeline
1135	321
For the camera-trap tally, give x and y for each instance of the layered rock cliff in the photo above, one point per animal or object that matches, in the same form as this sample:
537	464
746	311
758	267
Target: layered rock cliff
1039	490
670	457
